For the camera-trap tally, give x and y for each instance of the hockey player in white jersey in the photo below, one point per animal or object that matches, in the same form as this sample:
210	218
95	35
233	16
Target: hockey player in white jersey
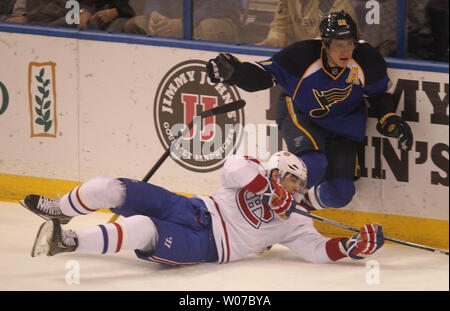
252	210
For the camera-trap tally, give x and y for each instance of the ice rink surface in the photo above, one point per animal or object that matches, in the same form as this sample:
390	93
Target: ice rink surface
393	268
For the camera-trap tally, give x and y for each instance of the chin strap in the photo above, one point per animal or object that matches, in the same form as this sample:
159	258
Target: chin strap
328	67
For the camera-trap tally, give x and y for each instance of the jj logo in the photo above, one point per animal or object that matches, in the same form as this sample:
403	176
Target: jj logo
191	103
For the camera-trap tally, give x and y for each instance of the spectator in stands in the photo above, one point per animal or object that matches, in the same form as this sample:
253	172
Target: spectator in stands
382	35
109	15
214	20
437	11
11	8
44	12
427	30
297	20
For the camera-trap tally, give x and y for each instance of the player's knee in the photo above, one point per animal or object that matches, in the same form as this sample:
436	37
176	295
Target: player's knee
316	164
141	232
103	192
337	192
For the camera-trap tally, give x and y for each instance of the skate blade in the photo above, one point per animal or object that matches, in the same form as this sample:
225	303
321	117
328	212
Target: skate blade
41	246
22	202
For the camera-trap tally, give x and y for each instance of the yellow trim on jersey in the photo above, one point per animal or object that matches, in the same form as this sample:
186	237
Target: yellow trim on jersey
353	76
301	79
294	119
362	72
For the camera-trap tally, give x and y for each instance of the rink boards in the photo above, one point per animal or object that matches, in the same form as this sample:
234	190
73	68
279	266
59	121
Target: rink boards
72	108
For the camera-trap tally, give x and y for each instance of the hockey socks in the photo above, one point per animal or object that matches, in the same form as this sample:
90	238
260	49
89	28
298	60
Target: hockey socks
316	164
98	193
336	192
135	232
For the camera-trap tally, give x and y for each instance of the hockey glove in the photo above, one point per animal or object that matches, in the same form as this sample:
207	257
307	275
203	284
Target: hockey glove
222	68
391	125
369	239
278	199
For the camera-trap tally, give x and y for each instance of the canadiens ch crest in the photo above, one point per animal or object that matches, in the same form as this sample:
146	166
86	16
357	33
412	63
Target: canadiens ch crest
254	211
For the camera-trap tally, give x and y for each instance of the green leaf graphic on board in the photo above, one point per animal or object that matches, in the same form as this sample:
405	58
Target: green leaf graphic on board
43	110
48	125
38	100
39	121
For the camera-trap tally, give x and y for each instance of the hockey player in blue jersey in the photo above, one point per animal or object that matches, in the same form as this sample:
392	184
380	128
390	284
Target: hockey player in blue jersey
322	114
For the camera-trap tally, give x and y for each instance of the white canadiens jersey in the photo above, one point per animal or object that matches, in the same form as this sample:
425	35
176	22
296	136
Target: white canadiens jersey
243	225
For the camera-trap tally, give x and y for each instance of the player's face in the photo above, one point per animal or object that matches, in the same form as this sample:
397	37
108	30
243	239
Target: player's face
341	51
293	184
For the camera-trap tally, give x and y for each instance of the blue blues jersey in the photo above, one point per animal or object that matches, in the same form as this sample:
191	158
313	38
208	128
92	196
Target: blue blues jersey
334	102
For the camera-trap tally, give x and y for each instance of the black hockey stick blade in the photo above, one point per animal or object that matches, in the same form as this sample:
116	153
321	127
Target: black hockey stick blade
236	105
337	224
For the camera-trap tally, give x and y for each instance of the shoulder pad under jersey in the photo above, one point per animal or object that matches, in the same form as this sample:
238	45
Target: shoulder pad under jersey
297	57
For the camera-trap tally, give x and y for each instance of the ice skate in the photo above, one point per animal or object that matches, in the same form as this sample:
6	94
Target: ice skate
52	239
45	207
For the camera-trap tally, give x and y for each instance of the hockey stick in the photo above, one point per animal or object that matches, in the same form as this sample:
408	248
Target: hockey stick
236	105
337	224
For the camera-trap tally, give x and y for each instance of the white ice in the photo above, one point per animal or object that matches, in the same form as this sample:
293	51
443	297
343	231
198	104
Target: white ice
399	267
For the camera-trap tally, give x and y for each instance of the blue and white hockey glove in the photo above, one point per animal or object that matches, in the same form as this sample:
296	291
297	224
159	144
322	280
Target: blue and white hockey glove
392	125
369	239
278	199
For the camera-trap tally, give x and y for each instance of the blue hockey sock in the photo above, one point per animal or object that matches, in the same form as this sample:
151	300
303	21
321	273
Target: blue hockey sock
316	164
336	192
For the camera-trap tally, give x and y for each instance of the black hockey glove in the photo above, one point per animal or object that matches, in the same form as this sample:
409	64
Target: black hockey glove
391	125
222	68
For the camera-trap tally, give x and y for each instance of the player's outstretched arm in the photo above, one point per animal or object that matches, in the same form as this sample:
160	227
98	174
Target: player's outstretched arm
369	239
313	247
228	69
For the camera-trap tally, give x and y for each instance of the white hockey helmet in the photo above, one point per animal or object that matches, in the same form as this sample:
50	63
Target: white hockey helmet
287	162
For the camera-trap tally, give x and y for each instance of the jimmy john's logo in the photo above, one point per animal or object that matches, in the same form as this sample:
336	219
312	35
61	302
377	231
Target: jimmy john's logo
184	93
